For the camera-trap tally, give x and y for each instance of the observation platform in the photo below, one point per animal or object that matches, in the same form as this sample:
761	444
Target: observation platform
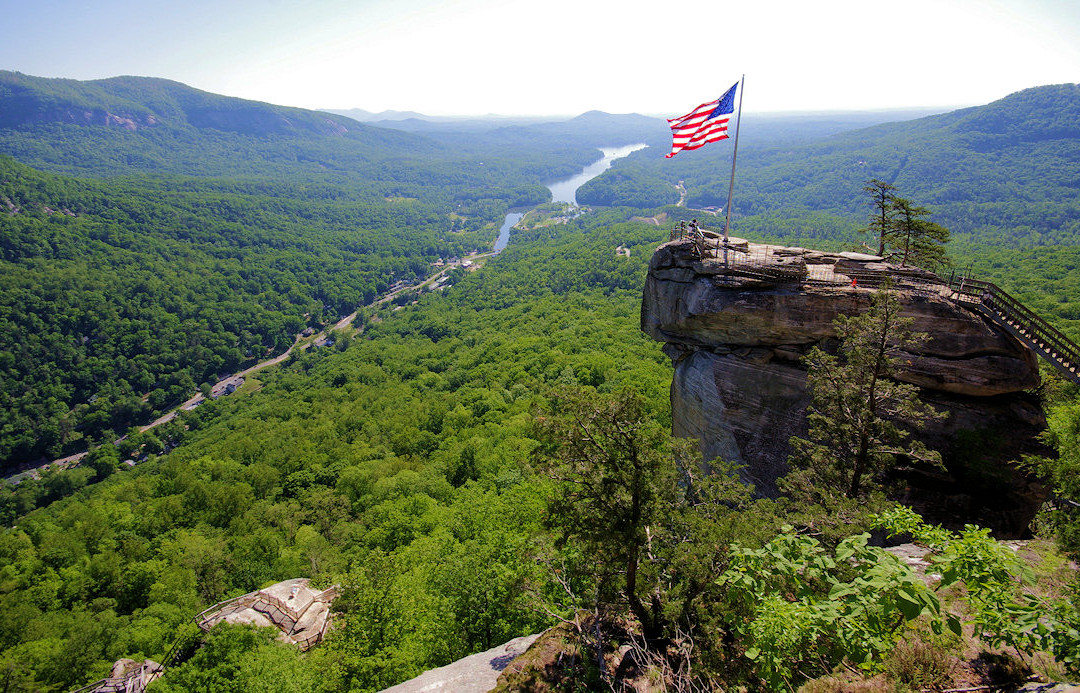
300	613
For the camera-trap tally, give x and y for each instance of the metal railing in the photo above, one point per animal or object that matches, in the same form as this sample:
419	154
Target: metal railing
985	297
1016	318
135	681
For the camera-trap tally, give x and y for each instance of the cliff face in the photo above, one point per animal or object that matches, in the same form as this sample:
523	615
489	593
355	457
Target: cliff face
735	339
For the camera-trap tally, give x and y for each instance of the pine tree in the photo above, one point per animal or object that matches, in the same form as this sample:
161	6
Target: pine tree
918	241
858	410
881	219
634	502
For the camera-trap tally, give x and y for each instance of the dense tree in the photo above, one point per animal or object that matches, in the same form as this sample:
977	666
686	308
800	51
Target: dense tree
1063	471
915	239
648	522
616	472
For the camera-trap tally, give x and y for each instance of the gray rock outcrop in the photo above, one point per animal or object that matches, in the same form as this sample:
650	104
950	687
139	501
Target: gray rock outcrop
473	674
299	612
735	332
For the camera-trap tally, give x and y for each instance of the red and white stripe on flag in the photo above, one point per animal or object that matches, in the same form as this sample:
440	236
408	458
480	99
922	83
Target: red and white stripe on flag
696	129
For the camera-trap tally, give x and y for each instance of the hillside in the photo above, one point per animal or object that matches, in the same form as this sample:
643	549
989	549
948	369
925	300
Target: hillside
430	461
151	124
125	125
1006	171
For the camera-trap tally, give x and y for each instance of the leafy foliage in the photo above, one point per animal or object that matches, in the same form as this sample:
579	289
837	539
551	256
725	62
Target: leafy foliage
399	467
1004	613
806	617
1063	472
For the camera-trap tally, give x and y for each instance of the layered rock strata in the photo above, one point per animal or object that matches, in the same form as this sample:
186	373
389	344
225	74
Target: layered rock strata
737	327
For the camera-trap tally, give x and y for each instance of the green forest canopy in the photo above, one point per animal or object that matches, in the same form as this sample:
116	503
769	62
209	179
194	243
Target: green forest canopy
399	464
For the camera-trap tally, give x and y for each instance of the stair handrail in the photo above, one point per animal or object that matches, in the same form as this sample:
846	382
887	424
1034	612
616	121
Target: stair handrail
994	297
1044	338
245	599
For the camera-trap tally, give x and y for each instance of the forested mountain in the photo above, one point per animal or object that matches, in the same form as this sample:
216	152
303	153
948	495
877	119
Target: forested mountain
124	125
121	296
1007	171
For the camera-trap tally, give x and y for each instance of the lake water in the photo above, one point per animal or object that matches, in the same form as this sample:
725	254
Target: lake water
565	190
504	230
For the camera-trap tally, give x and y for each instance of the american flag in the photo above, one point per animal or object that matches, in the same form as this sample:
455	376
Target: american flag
703	124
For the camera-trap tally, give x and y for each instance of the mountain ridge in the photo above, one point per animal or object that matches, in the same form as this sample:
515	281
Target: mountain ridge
971	166
44	100
123	124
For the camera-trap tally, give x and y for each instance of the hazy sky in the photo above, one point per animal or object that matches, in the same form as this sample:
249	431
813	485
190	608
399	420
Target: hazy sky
446	57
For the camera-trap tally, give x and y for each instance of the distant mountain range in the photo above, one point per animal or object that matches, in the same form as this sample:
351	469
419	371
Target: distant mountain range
125	124
390	116
1011	167
1013	162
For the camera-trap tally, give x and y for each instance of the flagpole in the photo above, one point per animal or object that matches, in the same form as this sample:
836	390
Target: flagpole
734	153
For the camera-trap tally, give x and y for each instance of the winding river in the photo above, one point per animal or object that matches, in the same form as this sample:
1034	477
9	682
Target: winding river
565	189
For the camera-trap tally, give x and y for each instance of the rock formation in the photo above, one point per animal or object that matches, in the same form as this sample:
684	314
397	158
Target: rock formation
301	613
736	328
476	673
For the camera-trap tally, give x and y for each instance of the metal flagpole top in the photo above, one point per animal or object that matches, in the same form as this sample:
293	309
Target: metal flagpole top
734	154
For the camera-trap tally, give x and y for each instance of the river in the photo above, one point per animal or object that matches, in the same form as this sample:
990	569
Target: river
561	190
565	190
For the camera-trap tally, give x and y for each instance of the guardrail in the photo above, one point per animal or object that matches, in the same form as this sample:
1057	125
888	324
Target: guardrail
277	610
135	681
985	297
1021	322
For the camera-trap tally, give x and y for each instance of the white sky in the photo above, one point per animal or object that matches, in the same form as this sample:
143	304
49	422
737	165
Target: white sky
548	57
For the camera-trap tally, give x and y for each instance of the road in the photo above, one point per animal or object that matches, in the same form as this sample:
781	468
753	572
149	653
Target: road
300	343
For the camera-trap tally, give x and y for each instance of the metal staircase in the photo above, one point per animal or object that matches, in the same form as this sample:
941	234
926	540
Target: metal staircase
1020	322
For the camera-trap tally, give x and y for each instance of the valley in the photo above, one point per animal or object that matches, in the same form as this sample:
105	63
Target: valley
427	459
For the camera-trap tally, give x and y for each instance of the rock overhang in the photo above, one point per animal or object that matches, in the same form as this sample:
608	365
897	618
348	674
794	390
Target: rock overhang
736	335
702	304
